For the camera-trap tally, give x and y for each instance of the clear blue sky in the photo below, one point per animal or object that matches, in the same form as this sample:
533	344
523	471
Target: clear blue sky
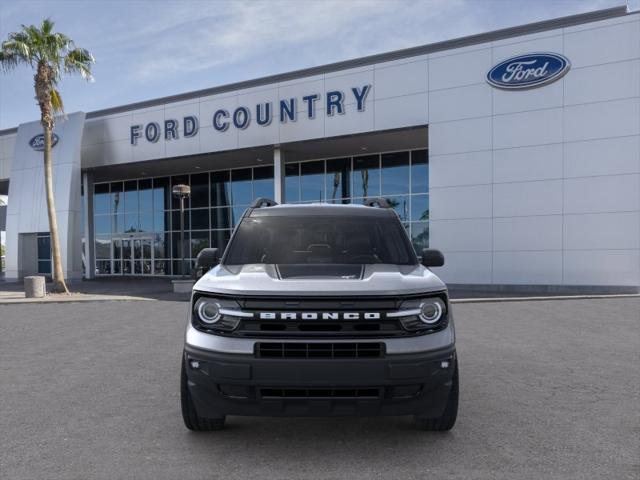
151	48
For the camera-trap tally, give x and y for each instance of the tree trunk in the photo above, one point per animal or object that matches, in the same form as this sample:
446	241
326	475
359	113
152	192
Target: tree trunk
43	95
59	284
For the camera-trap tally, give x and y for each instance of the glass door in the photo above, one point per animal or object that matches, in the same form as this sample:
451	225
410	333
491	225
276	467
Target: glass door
133	256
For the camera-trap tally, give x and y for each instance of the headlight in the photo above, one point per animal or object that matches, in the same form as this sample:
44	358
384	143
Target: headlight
208	311
216	314
424	314
431	311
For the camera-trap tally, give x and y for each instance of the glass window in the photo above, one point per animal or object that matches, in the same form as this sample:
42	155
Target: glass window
131	222
338	179
44	267
175	220
220	218
102	224
180	268
312	181
162	267
145	195
395	173
419	171
146	221
103	267
176	251
101	198
220	189
401	205
117	249
117	223
179	180
263	182
199	240
44	247
131	196
420	207
117	198
236	213
366	176
161	245
336	240
292	182
200	219
161	194
219	239
420	236
200	190
241	191
161	221
103	247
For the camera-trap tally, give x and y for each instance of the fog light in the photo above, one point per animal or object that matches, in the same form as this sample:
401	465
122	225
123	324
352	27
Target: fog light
444	364
194	364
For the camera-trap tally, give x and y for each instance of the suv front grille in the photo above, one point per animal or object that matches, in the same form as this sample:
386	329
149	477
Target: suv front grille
319	350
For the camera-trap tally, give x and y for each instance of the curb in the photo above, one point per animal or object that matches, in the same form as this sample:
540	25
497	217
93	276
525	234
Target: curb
73	299
540	299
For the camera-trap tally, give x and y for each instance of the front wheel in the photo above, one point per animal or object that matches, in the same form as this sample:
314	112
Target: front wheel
191	418
448	419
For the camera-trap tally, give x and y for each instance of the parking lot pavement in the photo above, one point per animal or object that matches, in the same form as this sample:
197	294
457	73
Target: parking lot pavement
549	389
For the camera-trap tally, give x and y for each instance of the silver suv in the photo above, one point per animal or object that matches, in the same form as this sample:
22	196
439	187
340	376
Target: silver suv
319	309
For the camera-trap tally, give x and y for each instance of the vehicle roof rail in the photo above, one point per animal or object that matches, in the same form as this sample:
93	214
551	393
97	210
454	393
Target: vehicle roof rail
263	202
376	202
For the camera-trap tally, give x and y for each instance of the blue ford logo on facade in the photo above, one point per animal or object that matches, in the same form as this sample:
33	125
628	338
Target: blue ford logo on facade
528	71
37	142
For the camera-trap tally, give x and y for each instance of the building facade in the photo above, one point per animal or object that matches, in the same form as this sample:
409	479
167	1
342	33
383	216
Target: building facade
515	152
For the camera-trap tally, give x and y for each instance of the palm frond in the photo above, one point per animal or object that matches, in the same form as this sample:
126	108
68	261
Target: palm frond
56	101
79	60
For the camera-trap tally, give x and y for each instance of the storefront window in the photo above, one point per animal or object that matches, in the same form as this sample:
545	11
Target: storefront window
395	173
366	176
312	181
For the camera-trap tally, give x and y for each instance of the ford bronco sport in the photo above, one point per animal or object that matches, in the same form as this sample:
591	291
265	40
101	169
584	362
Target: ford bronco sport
319	309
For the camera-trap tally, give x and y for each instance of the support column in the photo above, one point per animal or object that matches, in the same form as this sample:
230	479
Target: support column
87	212
278	174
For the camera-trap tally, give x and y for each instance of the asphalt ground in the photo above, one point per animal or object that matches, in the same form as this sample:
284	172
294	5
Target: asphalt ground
549	389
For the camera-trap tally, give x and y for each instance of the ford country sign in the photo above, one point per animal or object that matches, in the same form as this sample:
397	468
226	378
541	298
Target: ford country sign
528	71
37	142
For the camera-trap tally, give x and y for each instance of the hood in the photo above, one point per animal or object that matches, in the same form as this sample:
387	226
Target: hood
320	280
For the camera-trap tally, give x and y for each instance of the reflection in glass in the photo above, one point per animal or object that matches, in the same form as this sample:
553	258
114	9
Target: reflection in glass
103	267
219	239
179	180
220	218
292	182
160	244
44	247
103	247
117	198
263	182
199	240
419	171
161	194
395	173
200	219
401	205
312	181
236	213
131	223
175	220
338	179
220	190
241	193
420	207
366	176
160	221
200	190
101	224
131	203
145	195
420	236
162	267
146	221
101	198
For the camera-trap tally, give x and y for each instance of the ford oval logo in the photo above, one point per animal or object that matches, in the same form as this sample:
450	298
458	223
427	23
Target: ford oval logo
528	71
37	142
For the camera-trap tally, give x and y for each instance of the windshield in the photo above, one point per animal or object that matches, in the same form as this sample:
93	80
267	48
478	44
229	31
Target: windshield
295	240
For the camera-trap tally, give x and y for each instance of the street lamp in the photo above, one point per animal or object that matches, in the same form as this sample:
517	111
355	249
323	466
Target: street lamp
182	192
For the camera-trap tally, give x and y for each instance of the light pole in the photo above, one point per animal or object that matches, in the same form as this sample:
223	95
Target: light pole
182	192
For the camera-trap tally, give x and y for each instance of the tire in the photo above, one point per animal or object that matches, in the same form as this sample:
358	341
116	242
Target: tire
191	418
448	418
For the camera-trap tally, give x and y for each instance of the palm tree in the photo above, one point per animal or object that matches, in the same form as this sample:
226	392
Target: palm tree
50	55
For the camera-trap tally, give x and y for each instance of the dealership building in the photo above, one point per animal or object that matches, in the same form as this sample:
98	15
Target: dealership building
515	152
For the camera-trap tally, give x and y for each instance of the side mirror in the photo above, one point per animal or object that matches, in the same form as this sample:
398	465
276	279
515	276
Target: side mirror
206	260
432	257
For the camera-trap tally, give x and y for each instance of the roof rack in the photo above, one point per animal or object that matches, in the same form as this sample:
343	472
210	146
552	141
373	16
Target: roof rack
376	202
263	202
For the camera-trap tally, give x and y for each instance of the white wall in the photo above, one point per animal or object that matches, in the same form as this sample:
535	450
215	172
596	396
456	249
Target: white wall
539	186
7	145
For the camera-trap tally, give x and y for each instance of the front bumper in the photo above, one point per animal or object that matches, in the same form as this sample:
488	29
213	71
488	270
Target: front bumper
416	383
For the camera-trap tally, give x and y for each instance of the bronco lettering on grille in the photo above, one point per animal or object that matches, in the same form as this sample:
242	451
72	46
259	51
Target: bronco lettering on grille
319	315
